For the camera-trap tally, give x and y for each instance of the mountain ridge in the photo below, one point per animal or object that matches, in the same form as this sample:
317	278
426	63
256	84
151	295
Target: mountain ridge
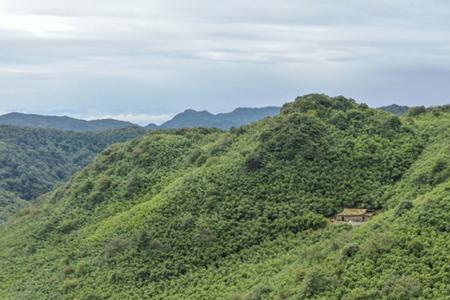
61	122
189	118
239	116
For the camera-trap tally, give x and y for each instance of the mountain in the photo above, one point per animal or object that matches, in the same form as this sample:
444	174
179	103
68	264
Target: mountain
33	161
151	127
187	119
61	122
238	117
395	109
207	214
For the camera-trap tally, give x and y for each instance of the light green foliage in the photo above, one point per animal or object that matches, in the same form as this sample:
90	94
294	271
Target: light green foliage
206	214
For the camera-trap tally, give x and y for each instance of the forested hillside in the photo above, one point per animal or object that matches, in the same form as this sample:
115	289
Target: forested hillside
206	214
395	109
33	161
61	122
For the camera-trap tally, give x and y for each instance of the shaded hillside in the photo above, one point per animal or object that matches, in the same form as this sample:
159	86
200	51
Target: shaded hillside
203	214
240	116
33	161
10	203
61	122
395	109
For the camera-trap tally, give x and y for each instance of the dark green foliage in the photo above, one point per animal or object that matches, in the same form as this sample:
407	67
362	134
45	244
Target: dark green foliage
350	250
9	204
403	207
404	287
316	280
254	161
395	109
417	110
33	161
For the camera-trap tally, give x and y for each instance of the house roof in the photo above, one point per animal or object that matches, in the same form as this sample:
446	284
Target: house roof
352	212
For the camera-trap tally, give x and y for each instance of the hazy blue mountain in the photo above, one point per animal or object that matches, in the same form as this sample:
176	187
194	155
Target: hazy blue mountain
395	109
240	116
60	122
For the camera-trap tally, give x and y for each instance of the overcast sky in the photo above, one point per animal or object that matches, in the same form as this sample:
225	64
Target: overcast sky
144	60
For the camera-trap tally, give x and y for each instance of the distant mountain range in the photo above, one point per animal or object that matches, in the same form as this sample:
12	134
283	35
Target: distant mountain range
187	119
61	122
238	117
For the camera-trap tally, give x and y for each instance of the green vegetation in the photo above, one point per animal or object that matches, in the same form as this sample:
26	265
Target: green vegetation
9	204
61	122
395	109
33	161
206	214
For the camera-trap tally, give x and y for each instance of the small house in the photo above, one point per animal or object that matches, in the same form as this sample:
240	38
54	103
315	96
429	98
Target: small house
353	215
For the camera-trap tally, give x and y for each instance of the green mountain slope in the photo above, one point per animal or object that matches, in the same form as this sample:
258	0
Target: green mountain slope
33	161
395	109
203	214
9	204
61	122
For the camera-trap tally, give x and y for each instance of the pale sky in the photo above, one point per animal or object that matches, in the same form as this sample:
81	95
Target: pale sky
144	60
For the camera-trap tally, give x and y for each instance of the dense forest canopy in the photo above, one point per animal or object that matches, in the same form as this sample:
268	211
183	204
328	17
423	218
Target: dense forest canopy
206	214
33	161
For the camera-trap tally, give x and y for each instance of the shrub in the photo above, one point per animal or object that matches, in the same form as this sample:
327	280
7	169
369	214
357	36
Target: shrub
405	287
103	183
91	297
114	247
201	160
68	270
259	292
194	155
68	226
316	281
300	273
350	250
69	284
82	268
403	207
254	161
96	197
416	247
417	110
141	240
